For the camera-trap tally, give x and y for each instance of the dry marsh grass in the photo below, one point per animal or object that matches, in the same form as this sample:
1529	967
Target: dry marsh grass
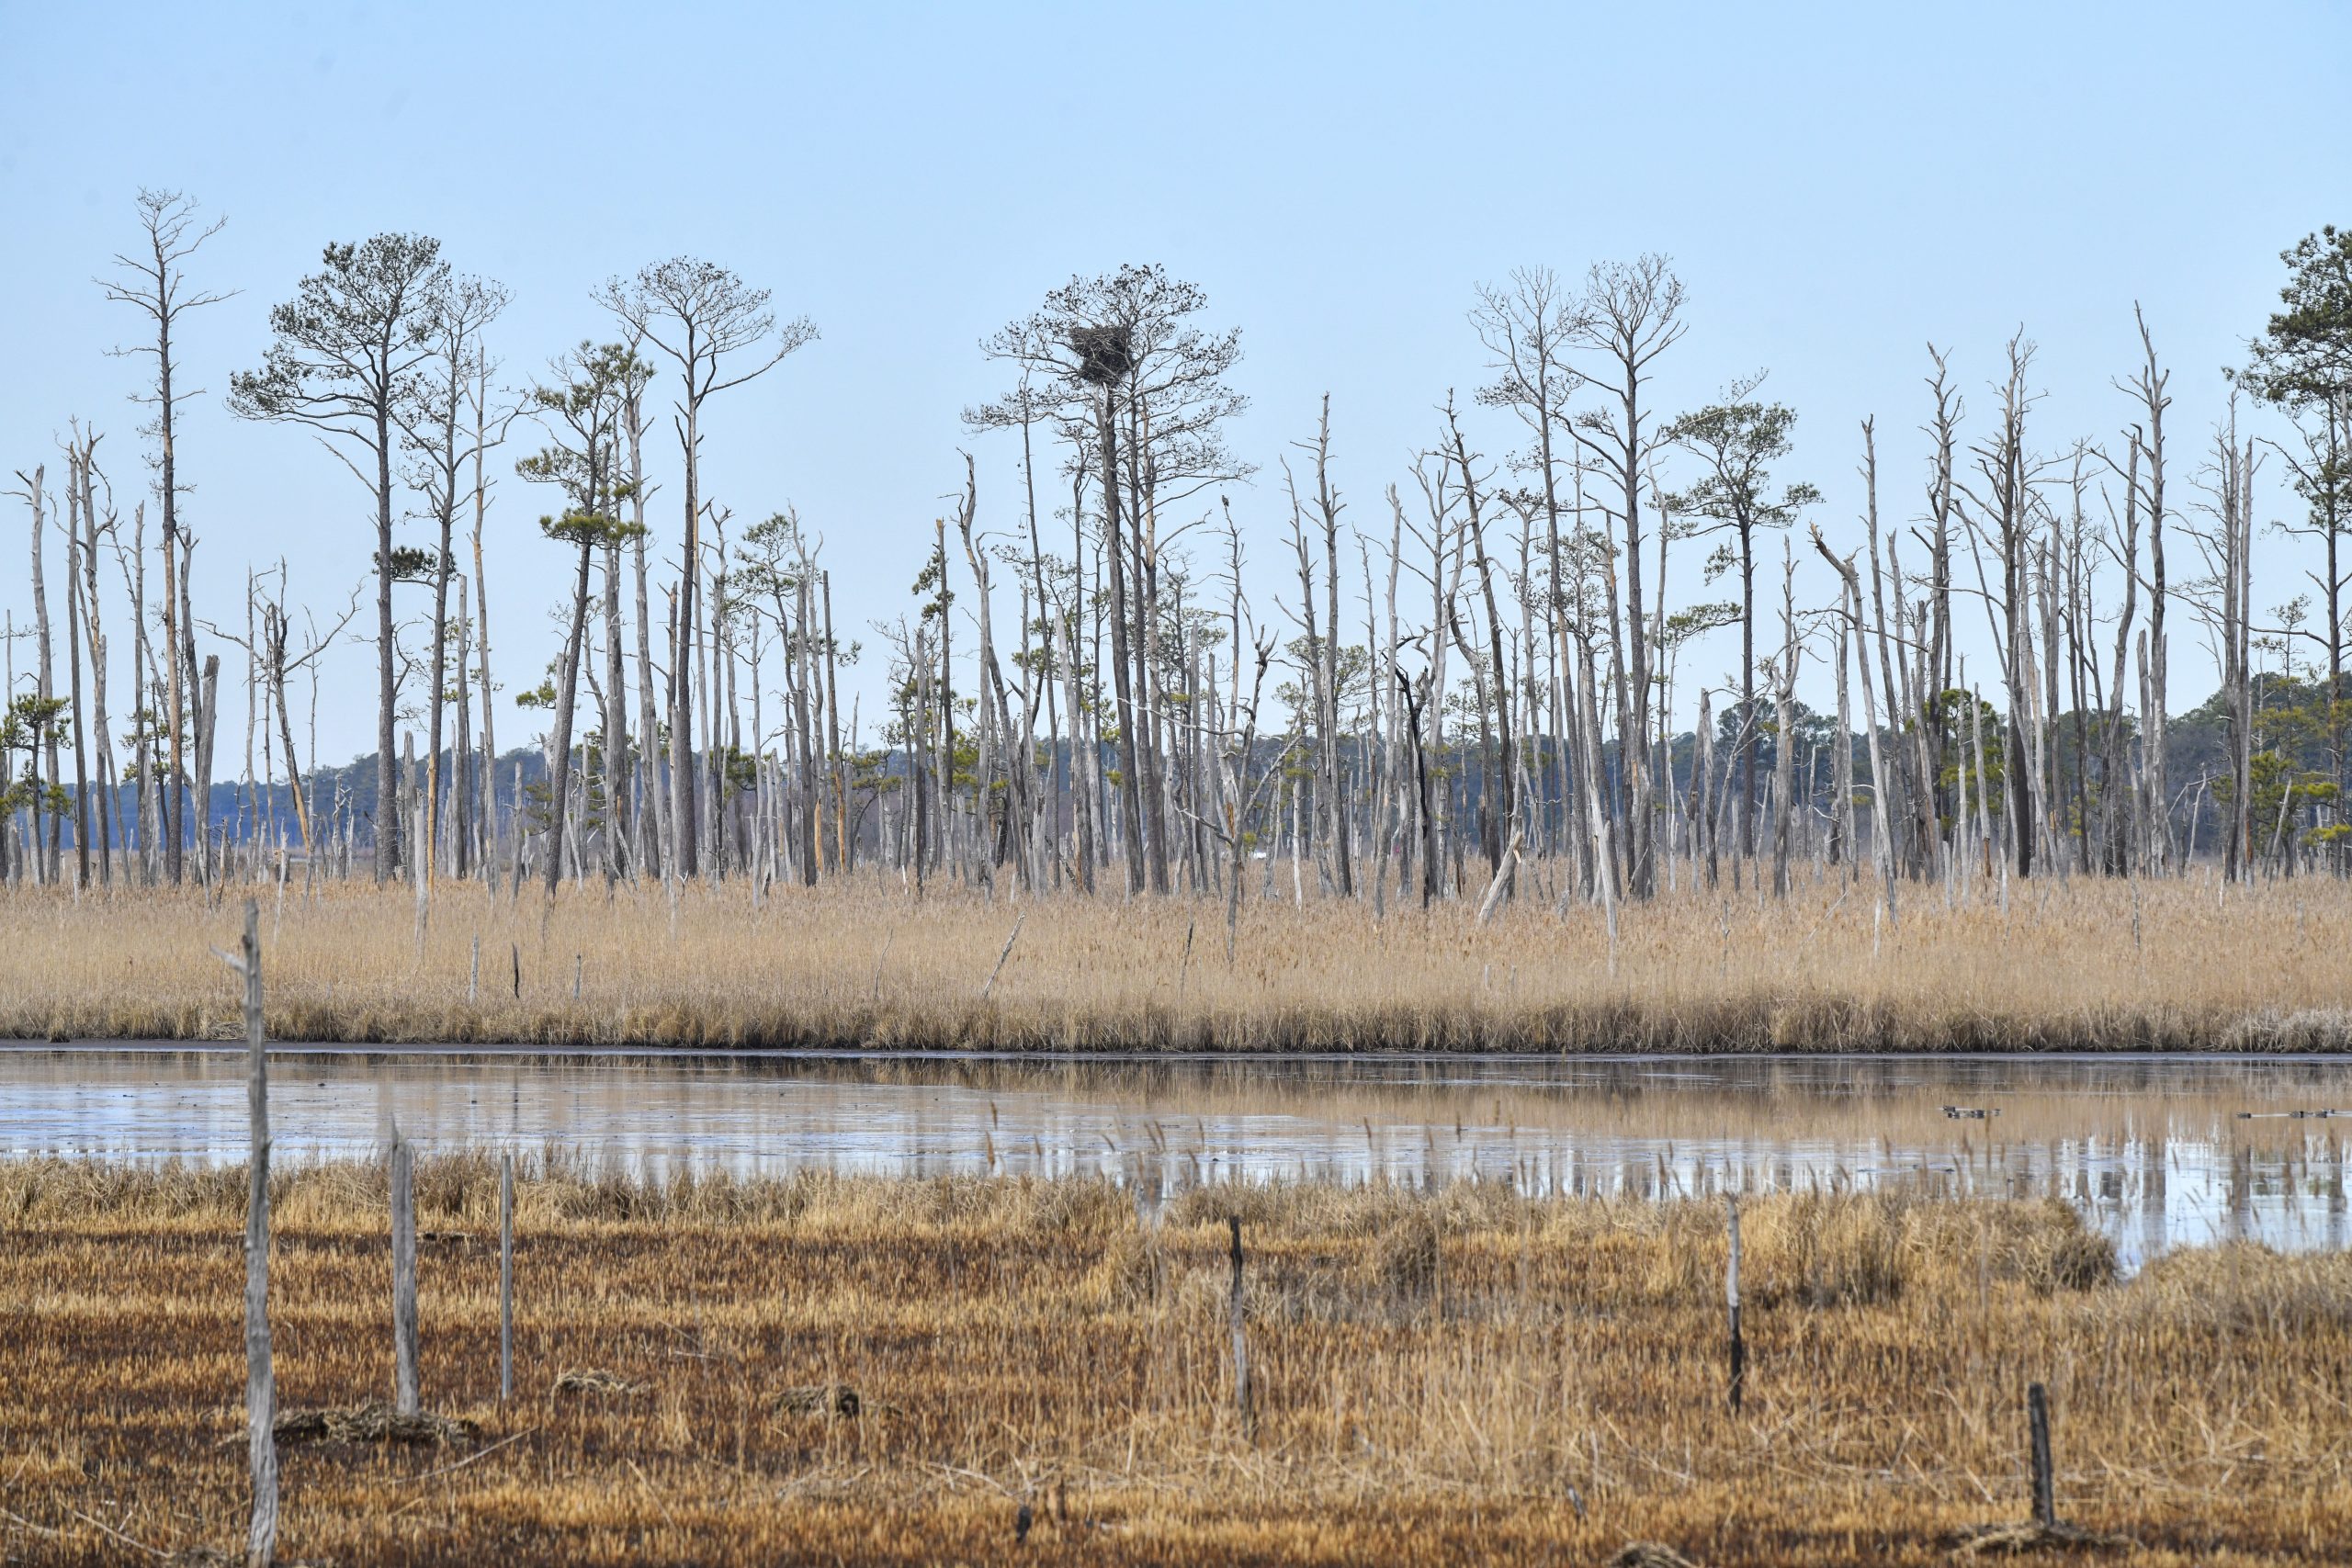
2084	966
833	1370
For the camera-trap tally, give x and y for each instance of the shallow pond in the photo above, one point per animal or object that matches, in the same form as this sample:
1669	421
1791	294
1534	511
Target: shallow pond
2161	1151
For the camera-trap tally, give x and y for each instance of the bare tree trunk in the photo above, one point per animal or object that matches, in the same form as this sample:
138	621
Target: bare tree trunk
2156	798
110	808
208	711
489	804
1334	789
74	619
43	733
150	799
1130	796
619	810
1702	769
1882	834
1841	773
567	695
1784	745
844	842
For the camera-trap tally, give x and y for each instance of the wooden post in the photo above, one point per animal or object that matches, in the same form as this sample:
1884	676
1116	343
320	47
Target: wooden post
261	1383
577	962
2045	1503
1240	1343
515	949
1731	1299
404	1394
506	1277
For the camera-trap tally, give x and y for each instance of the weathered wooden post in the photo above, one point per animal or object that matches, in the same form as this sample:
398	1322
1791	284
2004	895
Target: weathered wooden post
2045	1501
1240	1342
404	1393
1731	1298
506	1277
261	1382
473	976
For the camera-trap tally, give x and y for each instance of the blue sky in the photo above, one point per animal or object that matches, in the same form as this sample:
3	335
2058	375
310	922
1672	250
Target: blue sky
1838	187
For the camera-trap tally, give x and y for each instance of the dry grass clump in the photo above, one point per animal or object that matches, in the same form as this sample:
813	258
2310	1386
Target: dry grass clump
596	1380
827	1368
1649	1554
2018	1537
371	1421
864	963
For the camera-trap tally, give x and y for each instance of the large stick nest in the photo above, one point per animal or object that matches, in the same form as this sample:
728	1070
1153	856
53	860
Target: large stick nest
1104	353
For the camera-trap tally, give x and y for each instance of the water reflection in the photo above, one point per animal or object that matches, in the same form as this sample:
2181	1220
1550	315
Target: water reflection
2161	1151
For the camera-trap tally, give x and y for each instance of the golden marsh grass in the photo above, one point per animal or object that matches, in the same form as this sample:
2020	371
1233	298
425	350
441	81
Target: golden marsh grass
1455	1376
2086	964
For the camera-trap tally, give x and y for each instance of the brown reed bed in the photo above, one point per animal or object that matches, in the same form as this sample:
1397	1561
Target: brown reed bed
822	1370
2086	964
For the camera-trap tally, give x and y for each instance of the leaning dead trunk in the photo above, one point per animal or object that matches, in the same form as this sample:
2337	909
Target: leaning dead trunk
1882	834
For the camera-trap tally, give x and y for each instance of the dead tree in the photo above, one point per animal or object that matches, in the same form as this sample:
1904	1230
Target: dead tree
1528	329
1882	832
718	333
1630	315
152	279
1783	670
2148	389
433	420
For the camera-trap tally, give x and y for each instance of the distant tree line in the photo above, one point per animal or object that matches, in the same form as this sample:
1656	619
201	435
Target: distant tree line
1465	689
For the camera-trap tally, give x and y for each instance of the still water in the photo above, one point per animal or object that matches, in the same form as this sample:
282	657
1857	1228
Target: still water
2161	1151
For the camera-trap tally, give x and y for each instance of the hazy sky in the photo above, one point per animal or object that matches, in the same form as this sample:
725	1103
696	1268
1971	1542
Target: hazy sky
1836	185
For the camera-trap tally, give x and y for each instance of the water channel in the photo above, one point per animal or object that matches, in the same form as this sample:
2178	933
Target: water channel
2161	1151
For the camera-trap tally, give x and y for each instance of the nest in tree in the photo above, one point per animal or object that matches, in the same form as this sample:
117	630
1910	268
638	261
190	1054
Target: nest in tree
374	1422
1104	353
